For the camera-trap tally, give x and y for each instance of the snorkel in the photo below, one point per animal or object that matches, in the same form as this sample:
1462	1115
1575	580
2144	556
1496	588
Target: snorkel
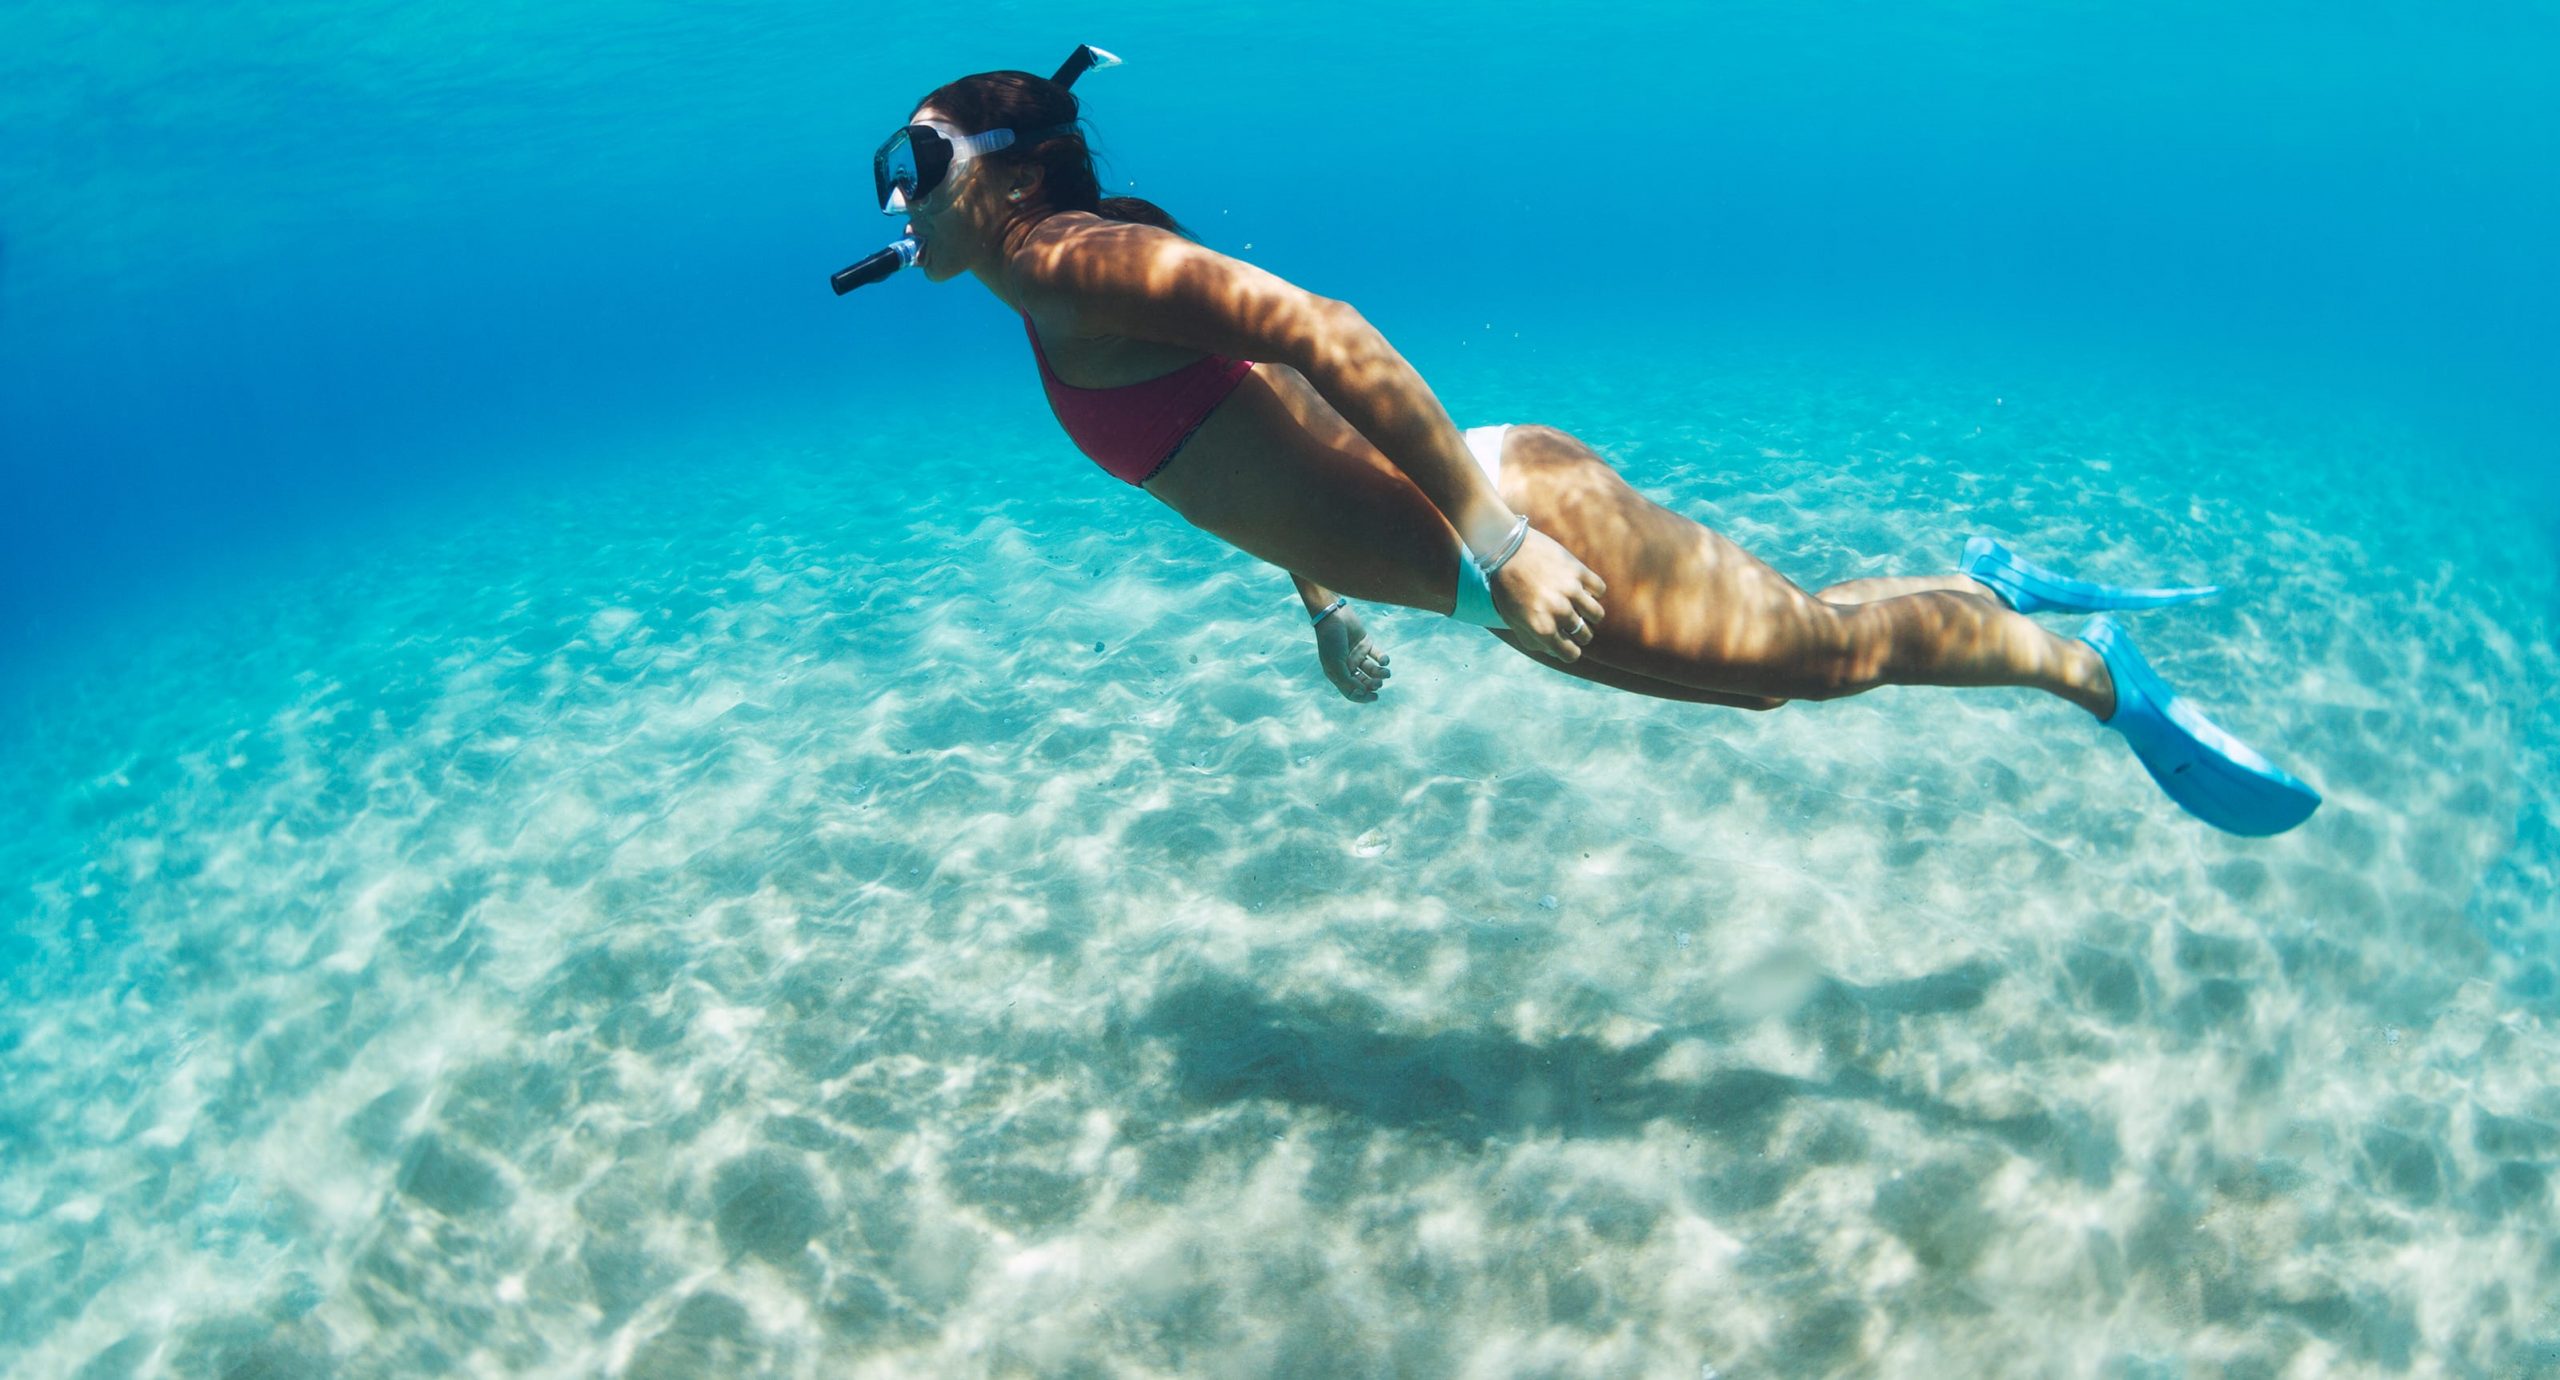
871	268
901	252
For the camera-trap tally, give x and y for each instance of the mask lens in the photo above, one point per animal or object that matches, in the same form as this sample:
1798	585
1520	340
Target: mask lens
893	168
912	163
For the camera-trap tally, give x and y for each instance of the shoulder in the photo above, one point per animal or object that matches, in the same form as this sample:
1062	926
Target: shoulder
1088	276
1069	258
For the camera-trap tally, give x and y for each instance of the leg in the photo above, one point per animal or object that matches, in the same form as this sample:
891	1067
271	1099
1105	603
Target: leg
1689	607
1944	638
1886	587
1590	668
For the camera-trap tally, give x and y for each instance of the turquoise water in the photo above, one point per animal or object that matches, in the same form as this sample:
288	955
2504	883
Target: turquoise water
579	805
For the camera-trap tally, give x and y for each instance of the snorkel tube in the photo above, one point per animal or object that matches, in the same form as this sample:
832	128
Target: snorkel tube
901	253
1084	59
874	267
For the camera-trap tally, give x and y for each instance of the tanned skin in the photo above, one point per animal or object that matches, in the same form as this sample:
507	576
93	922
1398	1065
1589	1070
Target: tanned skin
1334	461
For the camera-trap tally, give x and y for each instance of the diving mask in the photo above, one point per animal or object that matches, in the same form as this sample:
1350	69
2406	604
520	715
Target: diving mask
917	159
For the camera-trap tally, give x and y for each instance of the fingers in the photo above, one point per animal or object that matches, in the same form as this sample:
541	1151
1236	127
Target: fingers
1575	613
1582	621
1366	673
1575	627
1588	605
1565	635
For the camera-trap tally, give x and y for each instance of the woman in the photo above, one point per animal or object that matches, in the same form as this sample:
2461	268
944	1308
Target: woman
1285	424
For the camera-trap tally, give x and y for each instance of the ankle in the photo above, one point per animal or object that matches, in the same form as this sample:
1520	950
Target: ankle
2098	694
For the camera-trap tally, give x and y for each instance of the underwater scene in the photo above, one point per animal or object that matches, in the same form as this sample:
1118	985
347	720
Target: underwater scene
579	804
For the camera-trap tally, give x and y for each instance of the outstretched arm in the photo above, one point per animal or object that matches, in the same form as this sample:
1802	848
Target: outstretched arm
1149	284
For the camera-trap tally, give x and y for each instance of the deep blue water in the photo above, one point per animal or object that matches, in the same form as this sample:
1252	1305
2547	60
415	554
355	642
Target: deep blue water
264	268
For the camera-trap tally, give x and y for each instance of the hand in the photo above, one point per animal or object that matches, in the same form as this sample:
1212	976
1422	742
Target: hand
1351	661
1548	597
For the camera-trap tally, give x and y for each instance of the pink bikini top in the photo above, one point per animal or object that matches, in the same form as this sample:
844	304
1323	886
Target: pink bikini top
1132	430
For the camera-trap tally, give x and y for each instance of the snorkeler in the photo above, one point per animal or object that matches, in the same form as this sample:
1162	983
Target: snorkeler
1285	424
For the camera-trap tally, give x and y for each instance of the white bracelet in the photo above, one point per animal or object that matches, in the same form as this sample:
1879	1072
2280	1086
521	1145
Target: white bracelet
1510	548
1329	610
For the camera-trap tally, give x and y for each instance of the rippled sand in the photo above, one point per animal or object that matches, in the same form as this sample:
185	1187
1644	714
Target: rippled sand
773	914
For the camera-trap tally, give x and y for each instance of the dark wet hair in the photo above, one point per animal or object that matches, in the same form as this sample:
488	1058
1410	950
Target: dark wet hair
1021	101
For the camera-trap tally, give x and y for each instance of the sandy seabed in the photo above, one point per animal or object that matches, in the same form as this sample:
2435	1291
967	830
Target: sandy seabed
779	916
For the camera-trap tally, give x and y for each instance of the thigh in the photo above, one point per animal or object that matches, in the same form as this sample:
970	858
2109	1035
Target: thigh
1598	672
1685	605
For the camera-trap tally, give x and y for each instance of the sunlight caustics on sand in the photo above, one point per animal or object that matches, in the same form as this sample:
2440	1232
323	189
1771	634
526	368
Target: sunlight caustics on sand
815	918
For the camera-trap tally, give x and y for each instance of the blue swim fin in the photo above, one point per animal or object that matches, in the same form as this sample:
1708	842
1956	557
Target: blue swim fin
2216	777
2034	589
